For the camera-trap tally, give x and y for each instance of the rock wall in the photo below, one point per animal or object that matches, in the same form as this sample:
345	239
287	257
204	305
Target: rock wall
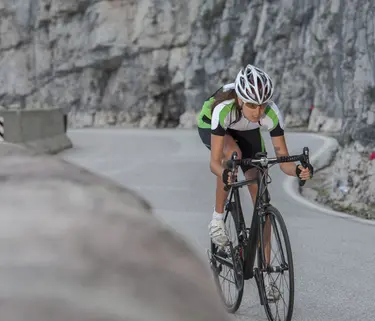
353	184
151	63
147	62
347	183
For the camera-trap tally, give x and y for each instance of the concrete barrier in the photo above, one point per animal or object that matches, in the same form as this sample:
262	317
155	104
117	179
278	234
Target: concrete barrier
43	130
75	246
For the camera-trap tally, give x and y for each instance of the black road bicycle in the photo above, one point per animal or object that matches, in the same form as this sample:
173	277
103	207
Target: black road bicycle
238	257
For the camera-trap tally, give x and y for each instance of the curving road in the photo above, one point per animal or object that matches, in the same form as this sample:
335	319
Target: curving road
334	256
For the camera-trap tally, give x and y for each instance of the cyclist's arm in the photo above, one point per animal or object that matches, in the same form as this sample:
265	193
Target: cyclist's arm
217	142
279	143
281	149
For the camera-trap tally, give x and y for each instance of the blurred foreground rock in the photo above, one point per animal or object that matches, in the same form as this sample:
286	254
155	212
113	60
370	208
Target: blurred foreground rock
77	247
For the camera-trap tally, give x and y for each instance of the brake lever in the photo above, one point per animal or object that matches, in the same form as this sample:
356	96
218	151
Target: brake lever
305	163
233	157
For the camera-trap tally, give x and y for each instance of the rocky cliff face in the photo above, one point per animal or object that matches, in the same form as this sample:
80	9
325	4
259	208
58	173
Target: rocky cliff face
153	62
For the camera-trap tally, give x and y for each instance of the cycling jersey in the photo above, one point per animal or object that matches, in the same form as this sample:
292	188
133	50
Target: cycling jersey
245	133
224	114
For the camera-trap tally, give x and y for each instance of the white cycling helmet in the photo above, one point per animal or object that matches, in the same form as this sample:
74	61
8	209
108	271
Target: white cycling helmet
253	85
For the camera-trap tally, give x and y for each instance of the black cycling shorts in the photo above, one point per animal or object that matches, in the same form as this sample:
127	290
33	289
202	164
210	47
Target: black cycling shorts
249	142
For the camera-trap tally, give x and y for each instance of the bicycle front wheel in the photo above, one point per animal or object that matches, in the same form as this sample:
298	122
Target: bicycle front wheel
227	264
277	271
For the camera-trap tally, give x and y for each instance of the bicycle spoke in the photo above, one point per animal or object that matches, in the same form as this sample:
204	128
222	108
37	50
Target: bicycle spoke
226	279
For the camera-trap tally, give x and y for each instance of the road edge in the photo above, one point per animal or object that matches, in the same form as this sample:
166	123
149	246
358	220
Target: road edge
291	188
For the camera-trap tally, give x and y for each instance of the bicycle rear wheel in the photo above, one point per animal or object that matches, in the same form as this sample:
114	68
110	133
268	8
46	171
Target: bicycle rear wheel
227	264
277	272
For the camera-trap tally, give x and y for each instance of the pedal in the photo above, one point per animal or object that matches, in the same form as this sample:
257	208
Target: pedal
209	254
222	253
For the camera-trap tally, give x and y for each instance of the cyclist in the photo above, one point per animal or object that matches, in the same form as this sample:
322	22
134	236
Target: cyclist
230	120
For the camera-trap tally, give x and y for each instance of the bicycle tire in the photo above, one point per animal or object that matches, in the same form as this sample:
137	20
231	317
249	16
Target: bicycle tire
231	308
277	217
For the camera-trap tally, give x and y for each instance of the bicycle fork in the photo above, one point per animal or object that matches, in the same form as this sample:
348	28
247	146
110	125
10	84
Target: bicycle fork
258	247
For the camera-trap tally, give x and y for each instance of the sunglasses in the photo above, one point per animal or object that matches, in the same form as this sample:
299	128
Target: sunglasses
253	106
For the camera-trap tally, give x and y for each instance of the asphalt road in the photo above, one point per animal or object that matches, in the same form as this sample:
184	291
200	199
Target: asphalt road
334	257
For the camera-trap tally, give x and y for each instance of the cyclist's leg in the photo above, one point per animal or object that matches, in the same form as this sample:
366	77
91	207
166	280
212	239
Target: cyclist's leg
230	146
217	226
251	142
251	173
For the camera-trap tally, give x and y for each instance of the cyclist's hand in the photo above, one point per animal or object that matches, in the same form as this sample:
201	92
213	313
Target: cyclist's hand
226	176
304	173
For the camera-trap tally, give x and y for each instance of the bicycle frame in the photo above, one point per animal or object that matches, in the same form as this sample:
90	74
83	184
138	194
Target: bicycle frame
242	258
262	200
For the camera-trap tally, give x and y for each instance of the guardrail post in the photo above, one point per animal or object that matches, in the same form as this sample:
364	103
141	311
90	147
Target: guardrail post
65	122
1	128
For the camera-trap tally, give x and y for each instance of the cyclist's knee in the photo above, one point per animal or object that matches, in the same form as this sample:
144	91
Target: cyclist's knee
231	146
251	173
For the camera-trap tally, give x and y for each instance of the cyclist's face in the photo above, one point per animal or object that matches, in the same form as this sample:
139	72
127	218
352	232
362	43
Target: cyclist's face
252	112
